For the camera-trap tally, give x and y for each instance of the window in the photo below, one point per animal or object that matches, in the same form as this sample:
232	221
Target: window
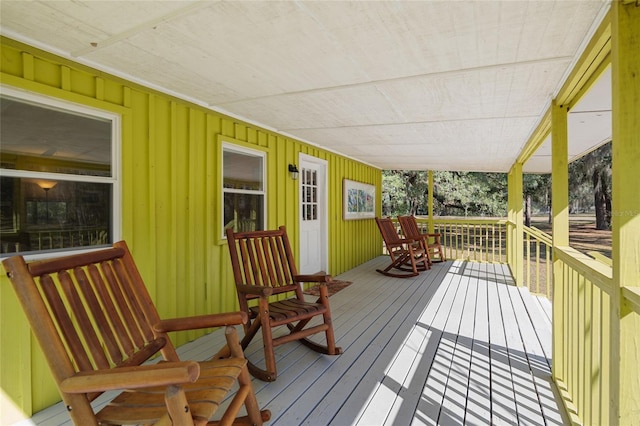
58	175
243	177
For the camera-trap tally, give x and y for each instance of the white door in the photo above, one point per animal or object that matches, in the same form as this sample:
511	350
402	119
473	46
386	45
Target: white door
313	215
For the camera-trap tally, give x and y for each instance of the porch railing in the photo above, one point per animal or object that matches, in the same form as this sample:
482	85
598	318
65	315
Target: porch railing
582	316
484	240
481	240
538	262
588	307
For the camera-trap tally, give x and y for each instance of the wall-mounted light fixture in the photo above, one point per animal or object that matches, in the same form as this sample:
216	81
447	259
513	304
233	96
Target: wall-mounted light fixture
293	171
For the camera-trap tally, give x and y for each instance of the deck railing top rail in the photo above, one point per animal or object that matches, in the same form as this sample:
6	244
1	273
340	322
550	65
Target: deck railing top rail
468	221
538	234
593	270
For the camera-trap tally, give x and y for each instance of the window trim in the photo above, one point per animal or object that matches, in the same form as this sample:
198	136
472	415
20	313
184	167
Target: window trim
228	144
115	179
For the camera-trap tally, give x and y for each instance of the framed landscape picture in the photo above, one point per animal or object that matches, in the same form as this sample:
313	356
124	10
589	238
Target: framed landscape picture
359	200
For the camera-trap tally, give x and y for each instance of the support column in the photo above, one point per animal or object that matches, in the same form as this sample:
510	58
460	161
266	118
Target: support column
515	253
430	203
518	251
510	222
559	175
560	226
625	333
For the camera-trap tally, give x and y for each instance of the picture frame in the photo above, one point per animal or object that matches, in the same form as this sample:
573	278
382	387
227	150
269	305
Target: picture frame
359	200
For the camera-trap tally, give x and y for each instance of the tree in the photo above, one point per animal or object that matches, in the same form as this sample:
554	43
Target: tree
594	170
393	188
536	188
417	190
455	193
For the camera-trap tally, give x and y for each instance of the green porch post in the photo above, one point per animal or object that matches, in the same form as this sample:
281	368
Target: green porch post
510	222
625	323
515	232
560	227
430	202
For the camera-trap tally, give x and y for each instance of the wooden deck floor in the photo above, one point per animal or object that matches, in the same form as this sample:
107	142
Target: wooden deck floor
456	345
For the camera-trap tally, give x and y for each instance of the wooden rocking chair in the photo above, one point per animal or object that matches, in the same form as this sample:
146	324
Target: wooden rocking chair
406	254
97	325
263	266
431	242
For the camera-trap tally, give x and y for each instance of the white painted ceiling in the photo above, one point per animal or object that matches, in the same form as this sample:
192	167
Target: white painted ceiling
439	85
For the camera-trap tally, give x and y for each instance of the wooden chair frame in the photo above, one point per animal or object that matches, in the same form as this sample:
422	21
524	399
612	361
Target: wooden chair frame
407	255
97	325
265	271
431	242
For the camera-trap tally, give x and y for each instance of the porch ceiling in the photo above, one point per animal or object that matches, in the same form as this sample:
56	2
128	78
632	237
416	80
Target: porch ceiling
423	85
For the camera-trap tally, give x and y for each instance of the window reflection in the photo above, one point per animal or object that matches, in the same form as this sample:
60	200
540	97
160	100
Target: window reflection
65	215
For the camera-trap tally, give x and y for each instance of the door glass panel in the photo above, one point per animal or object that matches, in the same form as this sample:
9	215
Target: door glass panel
309	195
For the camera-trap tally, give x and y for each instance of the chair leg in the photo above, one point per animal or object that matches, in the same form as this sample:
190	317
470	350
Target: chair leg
398	262
426	253
326	316
269	373
245	394
177	405
250	331
391	274
267	339
440	253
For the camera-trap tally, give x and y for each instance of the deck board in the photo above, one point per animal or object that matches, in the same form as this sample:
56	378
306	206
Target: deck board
453	409
503	404
478	409
455	345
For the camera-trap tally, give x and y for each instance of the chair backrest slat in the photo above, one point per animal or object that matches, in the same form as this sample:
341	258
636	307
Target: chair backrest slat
409	226
262	258
121	336
98	314
388	231
287	266
251	270
136	306
273	263
61	314
84	325
122	305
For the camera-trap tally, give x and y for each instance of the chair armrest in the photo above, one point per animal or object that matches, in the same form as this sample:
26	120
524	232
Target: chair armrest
201	321
254	289
407	240
142	376
436	237
315	278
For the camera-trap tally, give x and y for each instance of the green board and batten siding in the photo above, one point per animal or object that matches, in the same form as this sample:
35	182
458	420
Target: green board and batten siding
170	159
